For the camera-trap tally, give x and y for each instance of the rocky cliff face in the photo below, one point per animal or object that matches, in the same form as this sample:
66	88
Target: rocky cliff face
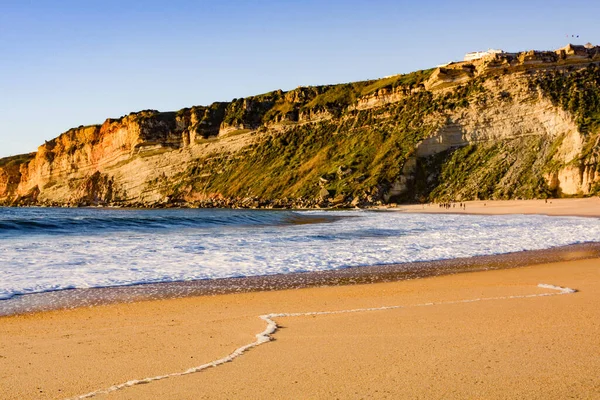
509	125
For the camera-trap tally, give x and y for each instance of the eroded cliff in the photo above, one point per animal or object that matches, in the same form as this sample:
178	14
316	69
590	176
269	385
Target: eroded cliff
509	125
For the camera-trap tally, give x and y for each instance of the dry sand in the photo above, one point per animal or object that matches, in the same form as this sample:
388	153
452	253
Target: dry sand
536	347
588	207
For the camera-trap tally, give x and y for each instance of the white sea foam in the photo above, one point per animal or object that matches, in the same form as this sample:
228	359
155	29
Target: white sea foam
36	263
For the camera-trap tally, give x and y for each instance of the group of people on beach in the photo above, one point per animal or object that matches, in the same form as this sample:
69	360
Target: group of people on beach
449	205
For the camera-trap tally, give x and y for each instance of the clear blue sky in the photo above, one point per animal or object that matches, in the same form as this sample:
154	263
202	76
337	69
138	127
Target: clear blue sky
68	63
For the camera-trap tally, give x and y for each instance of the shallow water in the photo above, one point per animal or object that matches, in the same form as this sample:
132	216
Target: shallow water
51	249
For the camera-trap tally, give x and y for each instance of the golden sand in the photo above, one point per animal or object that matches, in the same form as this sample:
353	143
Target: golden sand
588	207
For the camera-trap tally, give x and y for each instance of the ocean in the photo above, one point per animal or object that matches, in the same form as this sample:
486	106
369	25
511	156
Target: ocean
46	249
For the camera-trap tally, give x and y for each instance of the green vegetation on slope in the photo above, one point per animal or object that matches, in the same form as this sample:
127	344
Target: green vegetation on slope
577	92
360	154
495	170
334	99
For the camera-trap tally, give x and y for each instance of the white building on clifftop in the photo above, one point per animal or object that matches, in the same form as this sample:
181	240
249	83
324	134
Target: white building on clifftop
475	55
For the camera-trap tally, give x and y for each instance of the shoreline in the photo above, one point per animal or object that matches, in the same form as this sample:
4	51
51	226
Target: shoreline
559	206
86	297
70	299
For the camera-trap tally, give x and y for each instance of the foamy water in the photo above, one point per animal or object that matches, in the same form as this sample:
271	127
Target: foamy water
53	249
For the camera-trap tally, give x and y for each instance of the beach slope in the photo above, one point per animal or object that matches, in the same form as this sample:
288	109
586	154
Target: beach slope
500	345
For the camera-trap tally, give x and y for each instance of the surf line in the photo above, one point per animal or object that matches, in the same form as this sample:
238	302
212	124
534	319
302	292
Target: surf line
266	335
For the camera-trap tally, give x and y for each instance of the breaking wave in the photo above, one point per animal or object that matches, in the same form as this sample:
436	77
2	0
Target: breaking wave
53	249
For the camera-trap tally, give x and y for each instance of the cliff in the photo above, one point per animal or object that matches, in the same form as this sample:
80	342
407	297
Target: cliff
506	126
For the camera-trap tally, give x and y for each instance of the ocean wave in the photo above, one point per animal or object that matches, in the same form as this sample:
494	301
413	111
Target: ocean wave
96	248
85	221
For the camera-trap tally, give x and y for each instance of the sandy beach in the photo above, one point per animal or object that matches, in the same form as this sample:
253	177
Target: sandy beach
585	207
491	334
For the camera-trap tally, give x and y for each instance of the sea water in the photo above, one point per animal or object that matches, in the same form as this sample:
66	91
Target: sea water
45	249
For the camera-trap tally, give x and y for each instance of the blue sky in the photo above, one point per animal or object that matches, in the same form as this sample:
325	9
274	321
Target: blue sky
70	63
